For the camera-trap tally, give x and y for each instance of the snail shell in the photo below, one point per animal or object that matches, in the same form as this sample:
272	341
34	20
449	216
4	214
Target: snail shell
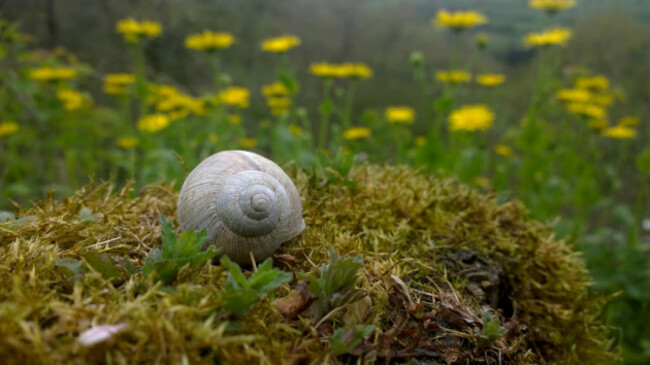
244	201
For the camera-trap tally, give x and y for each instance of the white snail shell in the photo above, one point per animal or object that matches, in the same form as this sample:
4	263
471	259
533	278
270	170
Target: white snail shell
244	201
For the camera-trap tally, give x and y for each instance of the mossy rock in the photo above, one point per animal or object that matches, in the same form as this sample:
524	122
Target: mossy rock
440	261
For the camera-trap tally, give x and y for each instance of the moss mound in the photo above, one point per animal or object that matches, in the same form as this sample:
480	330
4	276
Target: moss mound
450	277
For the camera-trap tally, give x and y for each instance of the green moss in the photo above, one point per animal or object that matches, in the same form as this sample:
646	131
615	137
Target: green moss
439	258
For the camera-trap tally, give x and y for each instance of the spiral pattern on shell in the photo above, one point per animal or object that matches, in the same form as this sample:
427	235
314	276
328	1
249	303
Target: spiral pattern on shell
244	201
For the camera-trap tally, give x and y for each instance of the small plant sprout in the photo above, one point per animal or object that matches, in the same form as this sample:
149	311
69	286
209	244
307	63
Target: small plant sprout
240	294
492	329
347	338
176	252
336	285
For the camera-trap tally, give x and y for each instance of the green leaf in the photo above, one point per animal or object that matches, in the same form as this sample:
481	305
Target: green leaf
236	278
103	264
239	301
643	161
345	339
71	267
266	279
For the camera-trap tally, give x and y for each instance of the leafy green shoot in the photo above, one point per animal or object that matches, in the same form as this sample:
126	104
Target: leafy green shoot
492	329
176	252
337	283
347	338
240	294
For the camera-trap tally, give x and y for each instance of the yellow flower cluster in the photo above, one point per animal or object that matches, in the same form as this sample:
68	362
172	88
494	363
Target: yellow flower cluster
503	150
552	6
117	84
589	98
490	80
235	96
344	70
127	142
356	133
280	44
47	74
454	76
555	36
400	114
619	132
248	142
471	118
133	31
277	97
295	130
153	123
209	41
8	128
459	20
174	104
71	99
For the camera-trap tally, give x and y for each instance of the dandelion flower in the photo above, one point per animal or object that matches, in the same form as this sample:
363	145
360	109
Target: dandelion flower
344	70
234	96
454	76
280	44
127	142
133	31
153	123
116	84
556	36
248	142
628	121
354	133
596	83
47	74
471	118
573	95
459	20
295	130
552	6
400	114
503	150
8	128
275	89
490	80
209	41
619	132
71	99
234	119
587	110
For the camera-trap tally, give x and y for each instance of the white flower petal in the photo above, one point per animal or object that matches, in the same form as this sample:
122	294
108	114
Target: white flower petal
100	333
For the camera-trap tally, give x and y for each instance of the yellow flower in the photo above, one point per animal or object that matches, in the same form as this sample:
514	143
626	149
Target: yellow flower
234	119
248	142
598	124
573	95
420	141
234	96
459	20
116	84
275	89
556	36
587	110
471	118
282	102
619	132
552	6
8	128
454	76
400	114
167	99
628	121
344	70
356	133
209	41
603	99
280	44
133	31
153	123
503	150
489	80
72	100
46	74
295	130
596	83
213	137
127	142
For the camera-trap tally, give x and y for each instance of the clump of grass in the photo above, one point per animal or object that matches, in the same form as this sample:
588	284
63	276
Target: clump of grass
436	256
